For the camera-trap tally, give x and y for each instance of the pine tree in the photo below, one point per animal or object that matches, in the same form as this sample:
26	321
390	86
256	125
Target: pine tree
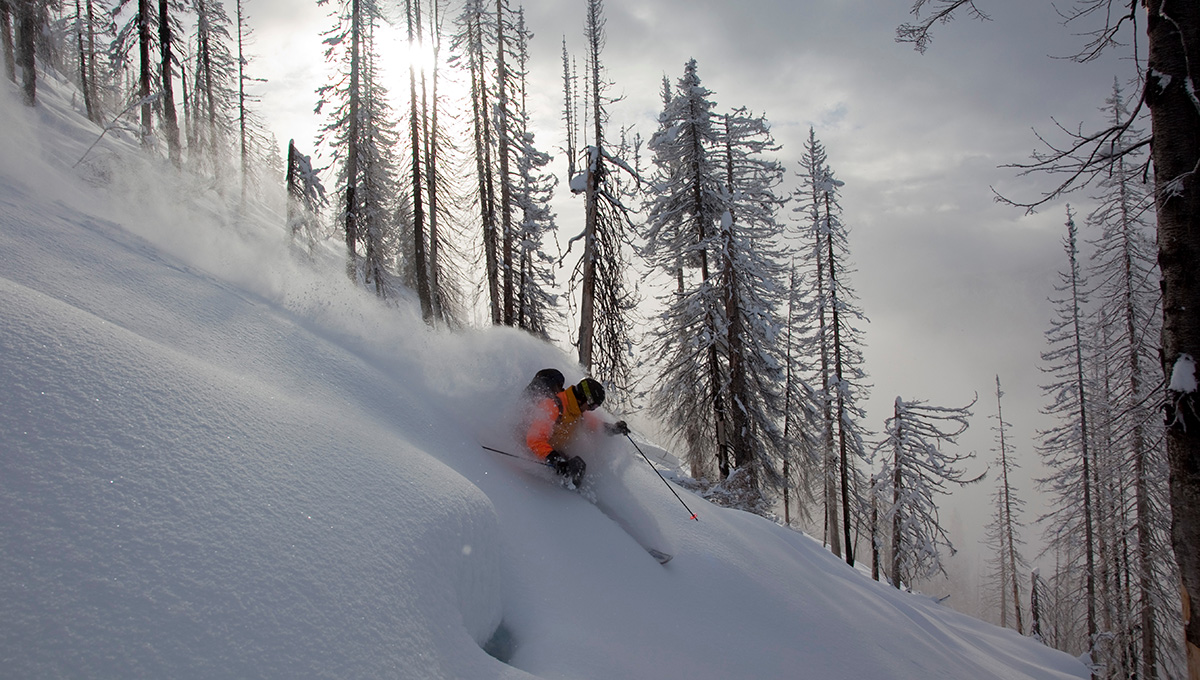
1127	301
473	41
379	190
1065	447
751	281
604	301
86	29
683	215
913	471
446	297
420	264
253	141
802	461
214	89
138	30
6	39
360	137
166	81
1168	78
840	372
31	16
535	301
1002	534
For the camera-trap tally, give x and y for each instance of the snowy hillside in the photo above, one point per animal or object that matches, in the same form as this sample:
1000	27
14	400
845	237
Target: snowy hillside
219	461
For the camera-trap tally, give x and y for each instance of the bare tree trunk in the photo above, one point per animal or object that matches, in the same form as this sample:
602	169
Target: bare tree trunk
86	57
1174	50
1084	441
830	486
144	79
843	451
502	136
29	25
483	162
430	114
787	412
168	88
6	39
738	393
1035	607
587	302
1009	539
351	217
243	133
897	488
568	110
419	263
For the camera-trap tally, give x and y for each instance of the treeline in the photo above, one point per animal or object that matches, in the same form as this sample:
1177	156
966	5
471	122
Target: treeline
173	73
1113	590
753	359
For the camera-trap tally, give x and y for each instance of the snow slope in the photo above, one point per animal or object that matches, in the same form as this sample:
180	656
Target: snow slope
219	461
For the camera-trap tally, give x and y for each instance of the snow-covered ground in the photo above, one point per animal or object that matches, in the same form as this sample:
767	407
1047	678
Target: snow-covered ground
217	460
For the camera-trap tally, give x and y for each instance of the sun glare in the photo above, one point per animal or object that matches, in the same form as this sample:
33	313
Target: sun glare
399	53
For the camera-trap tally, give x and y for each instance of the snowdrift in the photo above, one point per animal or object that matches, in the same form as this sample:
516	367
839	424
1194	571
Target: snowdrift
219	461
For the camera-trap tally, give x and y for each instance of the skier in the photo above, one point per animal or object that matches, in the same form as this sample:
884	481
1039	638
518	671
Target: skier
556	421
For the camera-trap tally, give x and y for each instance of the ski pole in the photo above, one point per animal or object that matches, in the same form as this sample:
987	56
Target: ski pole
513	455
664	479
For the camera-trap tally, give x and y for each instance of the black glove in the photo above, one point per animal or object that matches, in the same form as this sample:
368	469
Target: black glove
618	427
557	461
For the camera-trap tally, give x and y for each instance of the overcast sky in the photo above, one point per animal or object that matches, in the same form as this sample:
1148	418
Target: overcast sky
955	285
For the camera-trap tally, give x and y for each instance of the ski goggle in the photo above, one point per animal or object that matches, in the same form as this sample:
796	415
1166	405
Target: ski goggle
587	394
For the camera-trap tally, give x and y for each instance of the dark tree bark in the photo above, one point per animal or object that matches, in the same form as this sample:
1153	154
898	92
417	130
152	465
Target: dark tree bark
28	25
414	118
143	20
6	39
352	216
1174	48
168	89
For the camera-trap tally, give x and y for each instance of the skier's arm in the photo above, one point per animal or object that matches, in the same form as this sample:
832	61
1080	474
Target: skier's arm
537	438
596	424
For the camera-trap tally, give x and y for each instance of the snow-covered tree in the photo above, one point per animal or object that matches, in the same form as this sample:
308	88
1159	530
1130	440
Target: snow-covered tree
441	154
838	341
215	89
472	42
137	30
914	470
1127	307
420	264
803	465
683	213
752	275
87	27
605	302
1002	534
1168	80
32	17
6	39
360	138
1065	448
536	302
306	194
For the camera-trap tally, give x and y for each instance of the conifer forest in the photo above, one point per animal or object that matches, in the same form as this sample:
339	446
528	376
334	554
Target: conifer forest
706	273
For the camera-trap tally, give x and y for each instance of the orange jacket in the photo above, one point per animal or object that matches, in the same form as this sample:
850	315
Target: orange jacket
553	427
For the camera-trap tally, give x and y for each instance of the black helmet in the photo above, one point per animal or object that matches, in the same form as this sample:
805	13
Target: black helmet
591	391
